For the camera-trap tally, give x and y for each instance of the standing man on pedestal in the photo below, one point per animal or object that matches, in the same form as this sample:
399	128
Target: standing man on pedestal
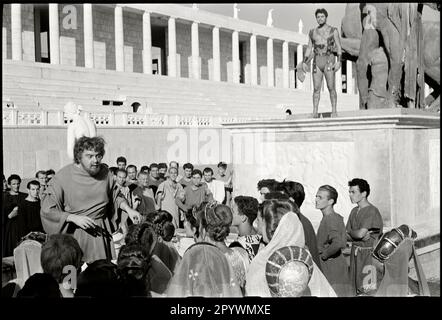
323	44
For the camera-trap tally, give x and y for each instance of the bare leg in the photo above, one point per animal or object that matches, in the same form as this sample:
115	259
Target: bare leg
394	50
330	79
317	84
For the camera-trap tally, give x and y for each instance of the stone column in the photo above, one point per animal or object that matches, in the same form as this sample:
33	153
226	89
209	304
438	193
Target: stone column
119	39
147	44
54	34
253	60
216	54
235	57
195	51
270	73
299	58
172	47
16	39
349	77
285	65
88	36
338	80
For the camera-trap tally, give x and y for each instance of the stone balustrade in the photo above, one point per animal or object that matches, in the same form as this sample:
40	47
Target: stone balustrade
17	117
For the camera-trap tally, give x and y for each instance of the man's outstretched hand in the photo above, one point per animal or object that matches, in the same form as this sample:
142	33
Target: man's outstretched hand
134	215
337	66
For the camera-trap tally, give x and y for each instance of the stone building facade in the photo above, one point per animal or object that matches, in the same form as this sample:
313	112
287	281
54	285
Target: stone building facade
167	39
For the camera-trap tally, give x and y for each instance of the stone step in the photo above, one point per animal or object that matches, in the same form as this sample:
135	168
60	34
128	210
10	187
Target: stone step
100	96
27	82
36	80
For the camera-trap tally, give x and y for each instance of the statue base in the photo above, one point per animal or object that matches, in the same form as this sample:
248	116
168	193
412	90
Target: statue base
396	150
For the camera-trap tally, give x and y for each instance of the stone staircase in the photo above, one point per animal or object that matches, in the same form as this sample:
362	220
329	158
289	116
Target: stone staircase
31	85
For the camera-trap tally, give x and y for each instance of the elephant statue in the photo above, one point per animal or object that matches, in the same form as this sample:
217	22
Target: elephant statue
366	27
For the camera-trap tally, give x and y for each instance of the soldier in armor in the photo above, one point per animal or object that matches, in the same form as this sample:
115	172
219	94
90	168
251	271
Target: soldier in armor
323	45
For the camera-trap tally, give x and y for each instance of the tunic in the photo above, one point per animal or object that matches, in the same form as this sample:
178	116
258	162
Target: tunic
10	227
331	238
170	191
193	198
148	206
29	214
74	191
185	182
310	238
154	183
360	255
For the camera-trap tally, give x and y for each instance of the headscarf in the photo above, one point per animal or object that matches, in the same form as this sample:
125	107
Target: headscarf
288	233
204	271
27	260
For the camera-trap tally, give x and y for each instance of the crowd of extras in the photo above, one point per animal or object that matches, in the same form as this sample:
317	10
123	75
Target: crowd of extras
194	238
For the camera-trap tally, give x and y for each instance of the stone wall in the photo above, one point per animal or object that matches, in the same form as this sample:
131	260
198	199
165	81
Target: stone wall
206	53
225	45
6	32
399	164
133	41
104	37
71	34
29	149
183	47
27	21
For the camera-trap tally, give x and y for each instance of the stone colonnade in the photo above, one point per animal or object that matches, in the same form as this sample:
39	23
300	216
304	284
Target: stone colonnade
195	69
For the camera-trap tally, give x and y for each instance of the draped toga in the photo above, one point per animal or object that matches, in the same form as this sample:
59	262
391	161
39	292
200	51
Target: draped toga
74	191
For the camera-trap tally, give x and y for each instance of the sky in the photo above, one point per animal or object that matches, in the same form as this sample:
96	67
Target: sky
286	16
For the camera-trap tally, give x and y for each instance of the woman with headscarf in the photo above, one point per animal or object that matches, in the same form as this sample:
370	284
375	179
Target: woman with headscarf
280	227
205	270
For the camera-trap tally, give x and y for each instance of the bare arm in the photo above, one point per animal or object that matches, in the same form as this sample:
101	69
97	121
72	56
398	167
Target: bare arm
180	204
133	214
338	43
309	52
358	234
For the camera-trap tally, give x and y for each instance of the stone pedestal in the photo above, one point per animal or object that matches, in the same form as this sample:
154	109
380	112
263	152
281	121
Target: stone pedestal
396	150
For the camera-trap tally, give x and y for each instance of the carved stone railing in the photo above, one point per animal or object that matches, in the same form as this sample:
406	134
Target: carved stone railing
17	117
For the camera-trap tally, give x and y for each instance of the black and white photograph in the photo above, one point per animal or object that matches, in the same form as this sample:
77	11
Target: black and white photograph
231	150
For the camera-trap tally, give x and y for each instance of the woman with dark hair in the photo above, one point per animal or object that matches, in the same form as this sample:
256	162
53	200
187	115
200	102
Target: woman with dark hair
99	280
205	270
159	273
10	223
132	268
165	230
214	221
280	227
